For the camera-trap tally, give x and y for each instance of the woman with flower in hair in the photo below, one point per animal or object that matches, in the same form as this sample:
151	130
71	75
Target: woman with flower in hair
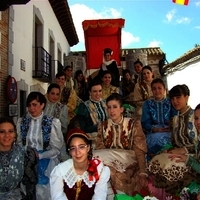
44	134
80	177
110	65
142	90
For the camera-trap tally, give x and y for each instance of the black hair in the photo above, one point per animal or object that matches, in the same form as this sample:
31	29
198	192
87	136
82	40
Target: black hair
138	62
158	80
116	97
51	86
125	71
36	96
7	120
93	83
107	50
179	90
147	67
197	107
60	73
106	72
67	67
77	73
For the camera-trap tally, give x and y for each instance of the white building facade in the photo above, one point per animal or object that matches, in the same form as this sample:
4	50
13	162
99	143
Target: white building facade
40	36
186	70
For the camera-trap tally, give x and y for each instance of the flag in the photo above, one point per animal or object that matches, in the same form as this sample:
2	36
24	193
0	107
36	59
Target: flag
181	2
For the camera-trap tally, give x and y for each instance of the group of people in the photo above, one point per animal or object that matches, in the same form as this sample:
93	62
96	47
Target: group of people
75	140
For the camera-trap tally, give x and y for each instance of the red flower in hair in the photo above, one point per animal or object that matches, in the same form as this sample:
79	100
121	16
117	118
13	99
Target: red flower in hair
92	169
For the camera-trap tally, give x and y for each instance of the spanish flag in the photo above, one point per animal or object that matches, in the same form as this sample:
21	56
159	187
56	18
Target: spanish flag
181	2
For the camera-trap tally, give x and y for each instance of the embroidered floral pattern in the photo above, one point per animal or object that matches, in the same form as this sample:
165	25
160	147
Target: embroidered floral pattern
11	168
25	123
46	129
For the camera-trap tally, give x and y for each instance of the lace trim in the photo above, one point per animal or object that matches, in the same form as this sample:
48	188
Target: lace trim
71	178
46	128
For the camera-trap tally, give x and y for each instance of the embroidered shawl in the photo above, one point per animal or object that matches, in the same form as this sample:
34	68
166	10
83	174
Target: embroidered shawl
46	129
93	112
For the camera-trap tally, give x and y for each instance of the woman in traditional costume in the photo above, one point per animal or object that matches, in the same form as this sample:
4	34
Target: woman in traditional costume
93	111
68	96
55	108
43	133
193	161
107	88
17	165
81	177
121	145
110	65
169	174
58	110
127	84
83	93
142	90
156	116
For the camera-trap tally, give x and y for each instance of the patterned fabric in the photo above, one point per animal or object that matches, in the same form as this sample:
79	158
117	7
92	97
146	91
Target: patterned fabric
142	92
184	135
46	129
35	139
126	136
107	91
59	111
69	98
184	131
157	114
30	177
11	168
65	93
97	110
171	170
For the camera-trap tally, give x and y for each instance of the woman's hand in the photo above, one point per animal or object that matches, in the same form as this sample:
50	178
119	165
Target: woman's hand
143	180
177	151
178	157
198	196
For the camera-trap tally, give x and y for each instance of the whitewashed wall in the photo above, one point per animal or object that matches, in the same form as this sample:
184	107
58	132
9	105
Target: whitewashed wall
22	46
190	76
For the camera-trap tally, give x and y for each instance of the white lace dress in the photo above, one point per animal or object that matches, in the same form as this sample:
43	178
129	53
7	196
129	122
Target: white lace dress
65	172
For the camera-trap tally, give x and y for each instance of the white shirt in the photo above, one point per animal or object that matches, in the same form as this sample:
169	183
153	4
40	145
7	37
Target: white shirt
65	172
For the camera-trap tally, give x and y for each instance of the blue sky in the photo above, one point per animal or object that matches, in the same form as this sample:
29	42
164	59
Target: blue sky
148	23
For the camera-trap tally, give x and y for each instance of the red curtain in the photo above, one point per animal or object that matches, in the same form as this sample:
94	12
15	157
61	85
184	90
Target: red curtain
101	34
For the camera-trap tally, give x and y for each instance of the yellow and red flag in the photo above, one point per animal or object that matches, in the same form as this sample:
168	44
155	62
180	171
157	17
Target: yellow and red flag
181	2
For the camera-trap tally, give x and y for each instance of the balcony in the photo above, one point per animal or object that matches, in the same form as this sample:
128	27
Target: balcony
43	68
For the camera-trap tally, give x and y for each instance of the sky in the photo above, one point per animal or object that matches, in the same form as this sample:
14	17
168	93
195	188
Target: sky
148	23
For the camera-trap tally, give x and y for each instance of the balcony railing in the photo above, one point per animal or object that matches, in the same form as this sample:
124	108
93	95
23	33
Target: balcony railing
43	66
56	64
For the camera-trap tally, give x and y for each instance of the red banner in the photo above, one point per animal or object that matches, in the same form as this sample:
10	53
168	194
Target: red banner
101	34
